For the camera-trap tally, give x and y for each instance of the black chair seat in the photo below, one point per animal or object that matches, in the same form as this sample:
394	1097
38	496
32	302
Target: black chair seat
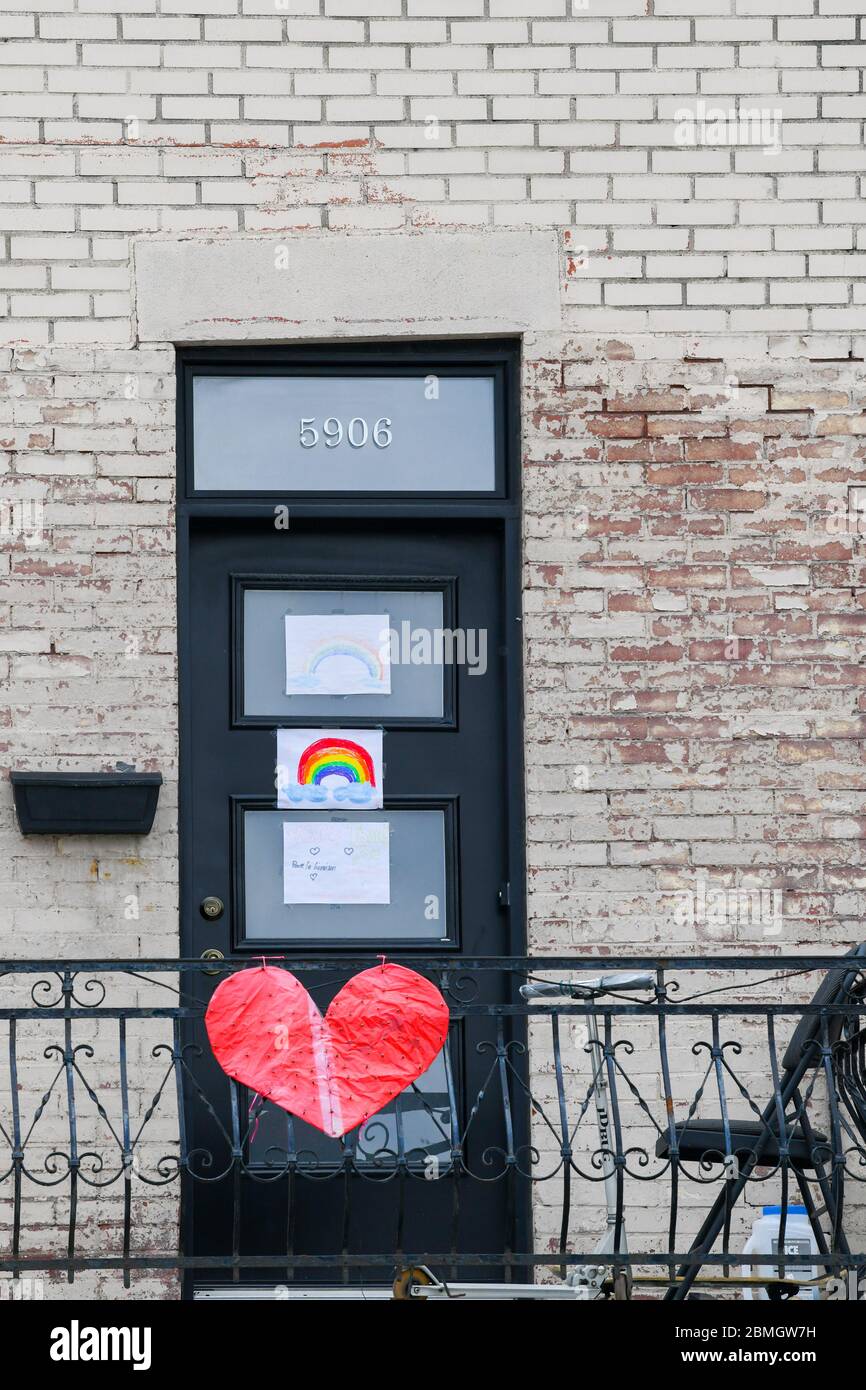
700	1137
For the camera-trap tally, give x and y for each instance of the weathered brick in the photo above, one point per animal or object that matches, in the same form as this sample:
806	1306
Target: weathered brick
693	588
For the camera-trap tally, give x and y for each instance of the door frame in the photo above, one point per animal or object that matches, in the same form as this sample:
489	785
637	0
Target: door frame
397	357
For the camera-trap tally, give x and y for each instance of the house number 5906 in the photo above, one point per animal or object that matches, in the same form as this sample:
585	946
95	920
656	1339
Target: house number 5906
356	432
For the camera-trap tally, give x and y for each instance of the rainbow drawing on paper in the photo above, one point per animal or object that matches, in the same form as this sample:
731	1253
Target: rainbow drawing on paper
335	757
338	654
329	769
354	651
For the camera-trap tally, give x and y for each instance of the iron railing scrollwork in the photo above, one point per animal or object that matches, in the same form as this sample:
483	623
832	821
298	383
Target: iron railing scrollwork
104	1089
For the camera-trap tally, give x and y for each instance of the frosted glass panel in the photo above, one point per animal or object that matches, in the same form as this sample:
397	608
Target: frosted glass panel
416	687
344	434
425	1122
417	910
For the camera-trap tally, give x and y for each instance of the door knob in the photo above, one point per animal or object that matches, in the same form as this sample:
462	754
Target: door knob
211	908
212	954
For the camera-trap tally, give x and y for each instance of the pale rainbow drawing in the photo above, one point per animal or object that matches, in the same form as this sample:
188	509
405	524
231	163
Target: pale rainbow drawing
347	648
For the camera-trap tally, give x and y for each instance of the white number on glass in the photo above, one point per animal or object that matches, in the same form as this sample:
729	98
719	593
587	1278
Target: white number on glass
382	432
333	432
357	432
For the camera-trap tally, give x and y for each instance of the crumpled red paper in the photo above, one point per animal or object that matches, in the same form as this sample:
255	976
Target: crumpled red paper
379	1034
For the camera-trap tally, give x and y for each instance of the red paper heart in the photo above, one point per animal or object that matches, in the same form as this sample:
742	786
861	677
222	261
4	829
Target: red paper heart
379	1034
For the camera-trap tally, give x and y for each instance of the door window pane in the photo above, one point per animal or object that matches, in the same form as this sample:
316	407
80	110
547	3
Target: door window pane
417	668
418	1121
291	434
418	910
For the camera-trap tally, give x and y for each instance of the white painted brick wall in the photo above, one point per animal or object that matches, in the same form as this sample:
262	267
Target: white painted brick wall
684	265
120	121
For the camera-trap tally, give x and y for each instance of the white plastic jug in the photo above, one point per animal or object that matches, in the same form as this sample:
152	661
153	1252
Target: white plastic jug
800	1243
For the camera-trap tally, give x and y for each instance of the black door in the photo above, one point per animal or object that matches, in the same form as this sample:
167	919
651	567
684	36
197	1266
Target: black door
393	1184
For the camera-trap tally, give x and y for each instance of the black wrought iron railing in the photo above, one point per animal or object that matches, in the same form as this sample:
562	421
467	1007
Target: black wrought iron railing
659	1121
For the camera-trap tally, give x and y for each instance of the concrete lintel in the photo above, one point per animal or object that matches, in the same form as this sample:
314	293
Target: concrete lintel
257	289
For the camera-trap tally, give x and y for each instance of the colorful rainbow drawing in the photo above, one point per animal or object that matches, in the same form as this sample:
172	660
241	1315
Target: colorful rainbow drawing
356	650
335	757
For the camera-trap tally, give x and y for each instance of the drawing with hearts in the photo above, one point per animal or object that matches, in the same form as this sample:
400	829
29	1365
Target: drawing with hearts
343	862
380	1033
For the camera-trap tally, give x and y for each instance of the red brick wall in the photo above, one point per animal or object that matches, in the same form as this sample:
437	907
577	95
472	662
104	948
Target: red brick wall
695	621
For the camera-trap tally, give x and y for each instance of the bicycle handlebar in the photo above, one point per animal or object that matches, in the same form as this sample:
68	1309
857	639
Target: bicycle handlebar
595	985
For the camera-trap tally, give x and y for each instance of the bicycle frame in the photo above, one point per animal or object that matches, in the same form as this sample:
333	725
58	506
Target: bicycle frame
590	1278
